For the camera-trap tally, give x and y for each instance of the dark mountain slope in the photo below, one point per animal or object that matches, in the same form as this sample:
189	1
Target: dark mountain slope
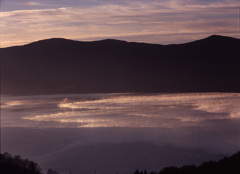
66	66
226	165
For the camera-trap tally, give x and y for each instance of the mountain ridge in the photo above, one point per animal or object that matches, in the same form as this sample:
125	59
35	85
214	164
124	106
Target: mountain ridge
211	37
60	65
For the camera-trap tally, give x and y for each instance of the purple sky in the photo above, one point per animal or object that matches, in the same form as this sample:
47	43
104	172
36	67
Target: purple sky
152	21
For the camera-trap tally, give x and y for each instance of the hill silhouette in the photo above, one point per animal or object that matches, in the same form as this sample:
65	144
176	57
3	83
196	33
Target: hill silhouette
16	165
226	165
66	66
230	165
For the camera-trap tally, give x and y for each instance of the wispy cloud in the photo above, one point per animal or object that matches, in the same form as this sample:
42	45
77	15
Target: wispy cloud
128	19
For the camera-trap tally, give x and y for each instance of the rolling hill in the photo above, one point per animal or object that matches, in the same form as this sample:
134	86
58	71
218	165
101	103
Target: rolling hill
65	66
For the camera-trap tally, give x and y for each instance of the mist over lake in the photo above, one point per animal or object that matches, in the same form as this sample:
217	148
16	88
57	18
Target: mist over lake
120	132
109	87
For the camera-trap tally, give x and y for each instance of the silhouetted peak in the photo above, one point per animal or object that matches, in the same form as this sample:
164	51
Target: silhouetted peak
111	41
52	42
214	40
219	38
215	36
67	43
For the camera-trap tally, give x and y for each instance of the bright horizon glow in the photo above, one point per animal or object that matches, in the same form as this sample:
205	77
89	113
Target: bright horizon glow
154	21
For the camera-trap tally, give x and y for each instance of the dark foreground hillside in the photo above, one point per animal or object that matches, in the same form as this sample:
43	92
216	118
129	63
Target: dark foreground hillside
227	165
16	165
67	66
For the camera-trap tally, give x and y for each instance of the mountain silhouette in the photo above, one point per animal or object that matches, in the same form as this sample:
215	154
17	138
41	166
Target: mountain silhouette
65	66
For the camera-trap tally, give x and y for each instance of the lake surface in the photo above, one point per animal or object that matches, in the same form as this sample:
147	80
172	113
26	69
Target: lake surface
118	133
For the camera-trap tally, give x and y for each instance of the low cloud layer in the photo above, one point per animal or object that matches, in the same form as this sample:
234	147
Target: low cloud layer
120	132
156	21
120	110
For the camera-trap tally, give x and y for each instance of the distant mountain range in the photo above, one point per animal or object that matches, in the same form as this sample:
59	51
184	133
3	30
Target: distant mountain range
66	66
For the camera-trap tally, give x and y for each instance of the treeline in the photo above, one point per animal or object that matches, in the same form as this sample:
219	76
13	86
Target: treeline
227	165
16	165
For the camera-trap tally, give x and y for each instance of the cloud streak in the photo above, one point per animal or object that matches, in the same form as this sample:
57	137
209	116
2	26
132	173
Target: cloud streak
132	21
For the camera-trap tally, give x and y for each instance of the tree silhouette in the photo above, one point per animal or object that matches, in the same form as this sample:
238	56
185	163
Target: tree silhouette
50	171
227	165
16	165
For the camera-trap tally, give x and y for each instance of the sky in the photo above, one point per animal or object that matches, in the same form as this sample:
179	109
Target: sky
150	21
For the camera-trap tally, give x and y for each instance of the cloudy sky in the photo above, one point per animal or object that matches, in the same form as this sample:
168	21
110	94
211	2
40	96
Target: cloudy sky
152	21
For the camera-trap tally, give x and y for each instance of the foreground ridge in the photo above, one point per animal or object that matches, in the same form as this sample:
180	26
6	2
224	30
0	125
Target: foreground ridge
226	165
16	165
